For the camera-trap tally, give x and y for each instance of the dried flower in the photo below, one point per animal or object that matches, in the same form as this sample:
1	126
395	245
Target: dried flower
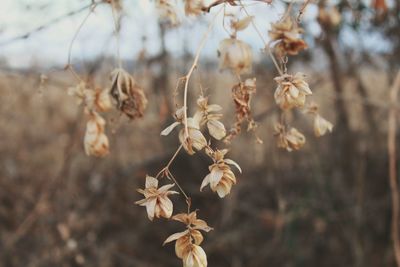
206	114
242	24
130	98
187	245
98	99
241	94
235	55
78	92
221	178
330	17
321	125
291	91
287	34
290	140
193	7
167	11
95	141
156	199
195	139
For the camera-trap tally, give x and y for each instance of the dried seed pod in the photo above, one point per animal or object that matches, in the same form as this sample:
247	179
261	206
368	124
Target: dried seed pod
156	199
241	94
287	34
193	7
321	125
221	178
242	24
291	91
166	10
129	97
187	242
290	140
95	141
235	55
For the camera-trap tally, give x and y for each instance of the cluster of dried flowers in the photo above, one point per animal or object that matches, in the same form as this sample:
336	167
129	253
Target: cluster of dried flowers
292	90
198	132
221	179
129	98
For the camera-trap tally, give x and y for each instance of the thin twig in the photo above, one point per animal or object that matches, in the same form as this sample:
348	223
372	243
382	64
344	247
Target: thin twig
92	8
302	9
117	32
266	45
392	131
192	68
166	168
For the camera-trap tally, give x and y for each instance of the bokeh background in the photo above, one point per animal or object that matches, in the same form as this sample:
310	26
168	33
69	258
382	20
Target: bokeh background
325	205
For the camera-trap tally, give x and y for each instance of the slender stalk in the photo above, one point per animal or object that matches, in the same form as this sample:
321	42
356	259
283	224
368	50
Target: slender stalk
192	68
92	8
117	32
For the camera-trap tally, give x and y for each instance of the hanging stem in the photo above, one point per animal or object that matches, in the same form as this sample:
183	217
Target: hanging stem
192	68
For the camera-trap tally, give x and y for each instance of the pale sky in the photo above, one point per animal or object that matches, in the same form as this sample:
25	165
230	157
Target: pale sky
50	46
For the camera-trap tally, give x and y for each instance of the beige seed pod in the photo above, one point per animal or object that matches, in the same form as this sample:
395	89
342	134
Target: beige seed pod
321	126
235	55
129	97
95	141
167	11
193	7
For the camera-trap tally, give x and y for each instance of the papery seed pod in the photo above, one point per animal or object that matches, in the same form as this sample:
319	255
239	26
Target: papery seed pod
156	199
291	91
95	141
193	7
195	140
221	178
321	126
289	140
235	55
129	97
166	10
78	92
242	24
287	35
194	257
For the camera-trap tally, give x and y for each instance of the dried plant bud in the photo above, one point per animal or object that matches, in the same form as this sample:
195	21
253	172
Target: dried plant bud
291	91
287	34
129	97
242	24
167	11
321	126
235	55
156	199
241	94
195	140
193	7
221	178
97	100
95	141
207	114
330	17
187	242
290	140
194	257
78	92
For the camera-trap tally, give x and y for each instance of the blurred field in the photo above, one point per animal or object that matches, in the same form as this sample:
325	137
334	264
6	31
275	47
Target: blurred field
325	205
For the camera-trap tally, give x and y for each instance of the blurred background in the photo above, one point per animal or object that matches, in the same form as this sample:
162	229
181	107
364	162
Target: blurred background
325	205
